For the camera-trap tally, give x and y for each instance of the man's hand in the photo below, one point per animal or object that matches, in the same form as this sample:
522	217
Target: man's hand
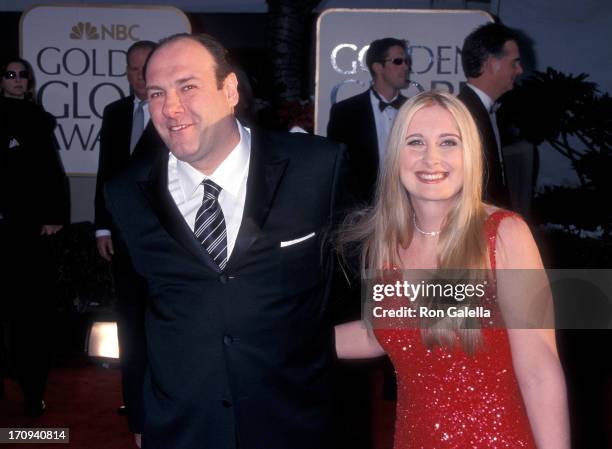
50	229
105	247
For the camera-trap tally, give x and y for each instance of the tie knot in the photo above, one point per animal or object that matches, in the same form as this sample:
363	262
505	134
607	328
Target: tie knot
211	190
140	106
382	104
494	107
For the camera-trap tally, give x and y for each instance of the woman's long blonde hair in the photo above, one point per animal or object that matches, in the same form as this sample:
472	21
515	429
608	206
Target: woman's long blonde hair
388	224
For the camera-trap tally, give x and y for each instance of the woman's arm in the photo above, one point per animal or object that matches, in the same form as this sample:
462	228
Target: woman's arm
523	292
355	341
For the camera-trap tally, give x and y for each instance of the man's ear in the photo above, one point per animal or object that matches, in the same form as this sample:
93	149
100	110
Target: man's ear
491	65
377	68
230	87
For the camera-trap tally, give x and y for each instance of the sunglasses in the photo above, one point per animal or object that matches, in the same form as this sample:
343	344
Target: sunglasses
398	61
11	74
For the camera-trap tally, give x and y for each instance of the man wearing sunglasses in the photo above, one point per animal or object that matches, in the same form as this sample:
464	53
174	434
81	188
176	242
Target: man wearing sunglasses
363	122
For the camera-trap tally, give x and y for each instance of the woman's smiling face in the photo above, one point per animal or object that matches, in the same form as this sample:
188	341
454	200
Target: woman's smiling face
431	161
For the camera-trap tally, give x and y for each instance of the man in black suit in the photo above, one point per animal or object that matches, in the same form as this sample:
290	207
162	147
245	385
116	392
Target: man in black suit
363	122
228	228
491	62
126	133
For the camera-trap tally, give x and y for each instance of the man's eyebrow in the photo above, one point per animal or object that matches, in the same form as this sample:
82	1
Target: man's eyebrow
184	80
177	82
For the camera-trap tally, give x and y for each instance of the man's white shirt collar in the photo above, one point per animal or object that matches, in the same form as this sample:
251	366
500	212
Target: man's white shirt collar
228	174
375	101
484	98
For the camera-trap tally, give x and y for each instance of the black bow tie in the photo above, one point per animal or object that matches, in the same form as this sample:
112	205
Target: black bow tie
382	104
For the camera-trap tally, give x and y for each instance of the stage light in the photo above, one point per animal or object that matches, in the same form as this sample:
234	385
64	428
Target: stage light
102	341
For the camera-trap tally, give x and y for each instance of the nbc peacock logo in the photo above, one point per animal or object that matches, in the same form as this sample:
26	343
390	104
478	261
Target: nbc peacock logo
84	31
108	31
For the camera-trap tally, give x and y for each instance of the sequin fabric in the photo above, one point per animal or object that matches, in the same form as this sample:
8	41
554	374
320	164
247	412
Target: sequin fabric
448	399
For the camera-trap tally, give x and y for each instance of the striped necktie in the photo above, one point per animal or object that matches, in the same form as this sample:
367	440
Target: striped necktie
210	227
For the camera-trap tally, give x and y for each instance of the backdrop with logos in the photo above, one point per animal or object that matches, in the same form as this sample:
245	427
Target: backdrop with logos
78	56
434	40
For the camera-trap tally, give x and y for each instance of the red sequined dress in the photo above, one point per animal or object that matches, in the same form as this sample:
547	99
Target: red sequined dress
448	399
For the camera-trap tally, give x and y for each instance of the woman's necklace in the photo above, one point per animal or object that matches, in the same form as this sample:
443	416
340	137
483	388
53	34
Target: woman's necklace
416	226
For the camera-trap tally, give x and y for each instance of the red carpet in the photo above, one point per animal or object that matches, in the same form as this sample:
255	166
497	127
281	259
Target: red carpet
88	410
84	398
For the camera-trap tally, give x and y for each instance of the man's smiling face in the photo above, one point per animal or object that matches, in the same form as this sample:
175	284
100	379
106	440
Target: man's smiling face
193	115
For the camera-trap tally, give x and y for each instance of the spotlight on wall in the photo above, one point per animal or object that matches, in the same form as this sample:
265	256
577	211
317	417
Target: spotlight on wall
102	341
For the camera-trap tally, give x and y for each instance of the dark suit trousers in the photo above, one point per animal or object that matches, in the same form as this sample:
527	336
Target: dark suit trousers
131	294
28	300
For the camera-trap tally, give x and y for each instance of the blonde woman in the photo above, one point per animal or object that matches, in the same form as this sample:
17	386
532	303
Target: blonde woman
457	388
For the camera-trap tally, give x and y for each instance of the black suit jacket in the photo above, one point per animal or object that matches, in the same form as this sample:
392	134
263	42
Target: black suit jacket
495	190
115	136
239	358
352	123
33	185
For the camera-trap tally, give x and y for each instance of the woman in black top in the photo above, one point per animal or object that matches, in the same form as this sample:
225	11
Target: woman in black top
33	205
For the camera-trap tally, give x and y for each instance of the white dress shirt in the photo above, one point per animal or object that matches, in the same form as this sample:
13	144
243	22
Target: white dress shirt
187	191
384	122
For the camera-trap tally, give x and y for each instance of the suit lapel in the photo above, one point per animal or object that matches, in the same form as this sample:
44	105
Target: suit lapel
148	141
482	119
369	125
127	125
265	174
156	191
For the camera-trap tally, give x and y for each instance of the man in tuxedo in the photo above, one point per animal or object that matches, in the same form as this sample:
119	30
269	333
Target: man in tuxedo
125	134
491	62
228	228
363	122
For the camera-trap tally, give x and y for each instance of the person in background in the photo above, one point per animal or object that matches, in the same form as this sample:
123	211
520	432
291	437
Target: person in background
491	62
126	134
34	205
363	122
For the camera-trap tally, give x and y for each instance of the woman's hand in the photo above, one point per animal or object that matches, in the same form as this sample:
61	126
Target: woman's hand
50	229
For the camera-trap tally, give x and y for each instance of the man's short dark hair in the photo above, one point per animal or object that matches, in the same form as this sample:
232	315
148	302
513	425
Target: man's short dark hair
223	66
149	45
379	49
486	40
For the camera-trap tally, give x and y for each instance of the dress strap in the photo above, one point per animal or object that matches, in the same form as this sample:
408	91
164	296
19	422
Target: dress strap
491	226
